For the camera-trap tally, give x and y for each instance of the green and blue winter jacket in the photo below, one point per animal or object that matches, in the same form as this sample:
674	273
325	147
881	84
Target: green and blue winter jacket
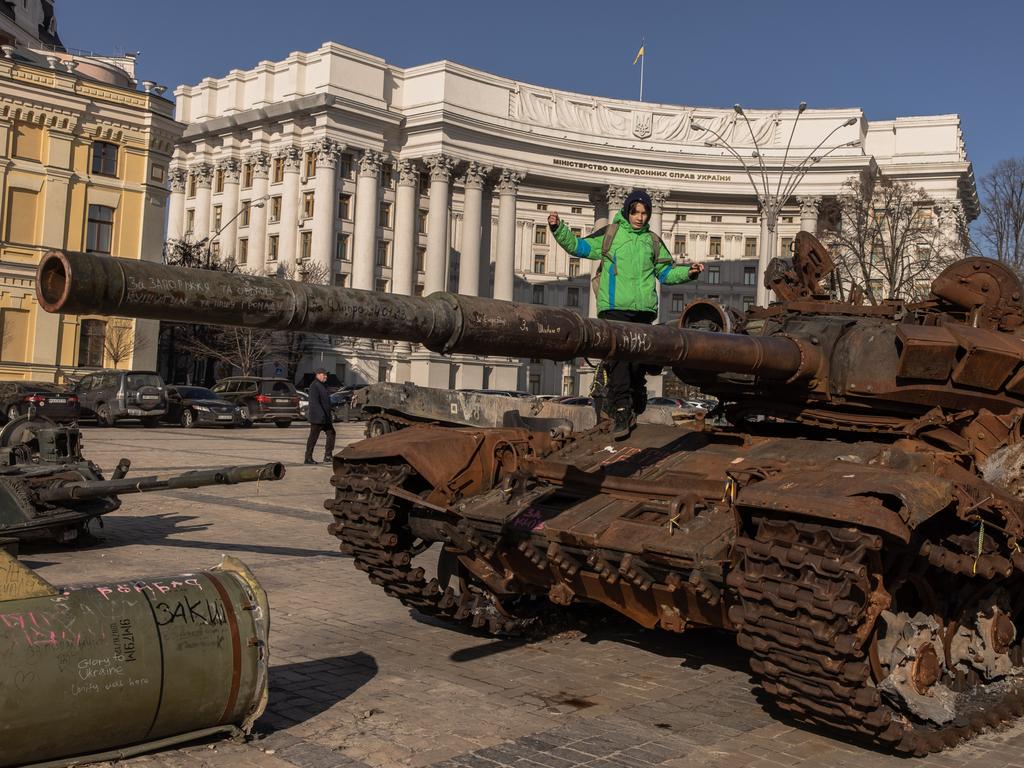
629	272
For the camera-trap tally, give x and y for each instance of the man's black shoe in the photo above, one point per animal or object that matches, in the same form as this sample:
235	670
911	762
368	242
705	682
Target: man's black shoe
328	460
308	461
622	423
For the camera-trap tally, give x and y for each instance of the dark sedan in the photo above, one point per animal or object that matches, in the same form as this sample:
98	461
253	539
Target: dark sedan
199	406
49	400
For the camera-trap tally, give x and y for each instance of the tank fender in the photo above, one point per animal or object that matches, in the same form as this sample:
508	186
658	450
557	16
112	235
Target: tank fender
442	454
871	497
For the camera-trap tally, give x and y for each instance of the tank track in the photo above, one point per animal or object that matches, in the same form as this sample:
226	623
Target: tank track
809	597
372	526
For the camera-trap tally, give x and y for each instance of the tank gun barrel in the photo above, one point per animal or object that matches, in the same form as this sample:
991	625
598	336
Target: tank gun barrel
79	283
83	490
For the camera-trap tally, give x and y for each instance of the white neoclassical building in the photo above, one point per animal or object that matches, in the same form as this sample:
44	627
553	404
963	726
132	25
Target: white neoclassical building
441	177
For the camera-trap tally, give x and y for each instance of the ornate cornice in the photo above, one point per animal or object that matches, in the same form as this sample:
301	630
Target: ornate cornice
809	206
370	162
509	181
408	173
179	179
203	173
658	198
440	167
476	175
615	196
292	158
260	162
328	151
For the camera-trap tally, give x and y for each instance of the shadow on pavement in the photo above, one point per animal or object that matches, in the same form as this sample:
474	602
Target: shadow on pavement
303	690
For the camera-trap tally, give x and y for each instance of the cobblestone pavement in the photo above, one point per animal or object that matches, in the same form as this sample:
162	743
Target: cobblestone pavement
359	680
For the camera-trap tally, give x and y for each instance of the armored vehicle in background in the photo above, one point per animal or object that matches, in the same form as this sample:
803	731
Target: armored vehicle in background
48	490
856	522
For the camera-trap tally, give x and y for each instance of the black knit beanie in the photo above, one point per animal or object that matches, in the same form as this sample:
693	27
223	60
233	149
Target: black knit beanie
637	196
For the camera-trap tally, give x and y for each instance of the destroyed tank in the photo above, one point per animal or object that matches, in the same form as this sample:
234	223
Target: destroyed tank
49	490
856	522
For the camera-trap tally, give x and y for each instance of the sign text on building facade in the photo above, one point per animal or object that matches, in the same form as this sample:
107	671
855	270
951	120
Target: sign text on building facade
657	173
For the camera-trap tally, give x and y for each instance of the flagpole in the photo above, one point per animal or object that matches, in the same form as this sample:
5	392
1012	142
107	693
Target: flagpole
642	75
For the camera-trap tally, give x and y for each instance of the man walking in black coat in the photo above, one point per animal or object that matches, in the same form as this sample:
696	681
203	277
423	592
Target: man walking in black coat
320	418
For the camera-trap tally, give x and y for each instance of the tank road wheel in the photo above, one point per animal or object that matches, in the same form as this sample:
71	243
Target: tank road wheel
373	527
874	640
377	426
12	413
103	417
188	419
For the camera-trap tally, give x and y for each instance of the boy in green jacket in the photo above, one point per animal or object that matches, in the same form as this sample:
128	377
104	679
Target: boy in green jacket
633	262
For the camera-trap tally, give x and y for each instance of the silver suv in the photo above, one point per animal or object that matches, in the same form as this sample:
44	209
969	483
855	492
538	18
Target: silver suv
113	395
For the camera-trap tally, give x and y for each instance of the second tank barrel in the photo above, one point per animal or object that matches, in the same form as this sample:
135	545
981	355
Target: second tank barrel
79	283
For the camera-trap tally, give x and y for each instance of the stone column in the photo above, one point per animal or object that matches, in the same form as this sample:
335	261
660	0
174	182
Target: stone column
767	251
505	263
325	195
809	214
658	198
436	268
288	230
486	231
606	203
260	162
204	179
472	233
176	207
229	237
404	246
364	243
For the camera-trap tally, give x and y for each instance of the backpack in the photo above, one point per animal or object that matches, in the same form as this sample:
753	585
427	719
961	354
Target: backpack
606	246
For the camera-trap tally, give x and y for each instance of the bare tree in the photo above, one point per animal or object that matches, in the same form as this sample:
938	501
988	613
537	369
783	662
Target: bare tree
290	347
1002	219
120	341
892	239
243	349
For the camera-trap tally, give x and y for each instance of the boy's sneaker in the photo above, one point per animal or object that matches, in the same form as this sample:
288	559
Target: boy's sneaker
622	423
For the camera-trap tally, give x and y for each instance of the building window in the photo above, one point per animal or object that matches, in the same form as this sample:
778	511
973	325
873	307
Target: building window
218	180
272	243
278	170
344	207
716	219
542	206
218	214
577	209
387	176
421	258
574	267
100	229
538	294
715	247
678	302
680	217
576	232
382	285
787	247
417	290
384	215
191	185
215	250
540	234
243	250
787	219
751	219
750	248
679	248
346	166
572	296
748	302
714	275
309	165
90	343
539	263
339	279
104	159
421	222
275	209
307	205
383	253
341	246
246	214
750	275
534	383
305	245
247	176
190	221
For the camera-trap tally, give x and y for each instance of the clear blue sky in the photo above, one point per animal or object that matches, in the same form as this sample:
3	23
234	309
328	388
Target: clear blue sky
891	57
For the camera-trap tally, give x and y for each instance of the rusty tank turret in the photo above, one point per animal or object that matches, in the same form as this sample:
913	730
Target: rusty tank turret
856	522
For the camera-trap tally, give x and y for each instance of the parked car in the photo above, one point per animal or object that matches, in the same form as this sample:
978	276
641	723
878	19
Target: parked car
342	408
199	406
576	400
50	400
303	404
671	402
260	399
499	392
113	395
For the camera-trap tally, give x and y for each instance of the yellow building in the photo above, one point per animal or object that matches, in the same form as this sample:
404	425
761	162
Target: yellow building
83	166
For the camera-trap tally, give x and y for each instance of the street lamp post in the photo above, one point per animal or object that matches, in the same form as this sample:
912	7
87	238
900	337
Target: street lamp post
259	202
771	202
